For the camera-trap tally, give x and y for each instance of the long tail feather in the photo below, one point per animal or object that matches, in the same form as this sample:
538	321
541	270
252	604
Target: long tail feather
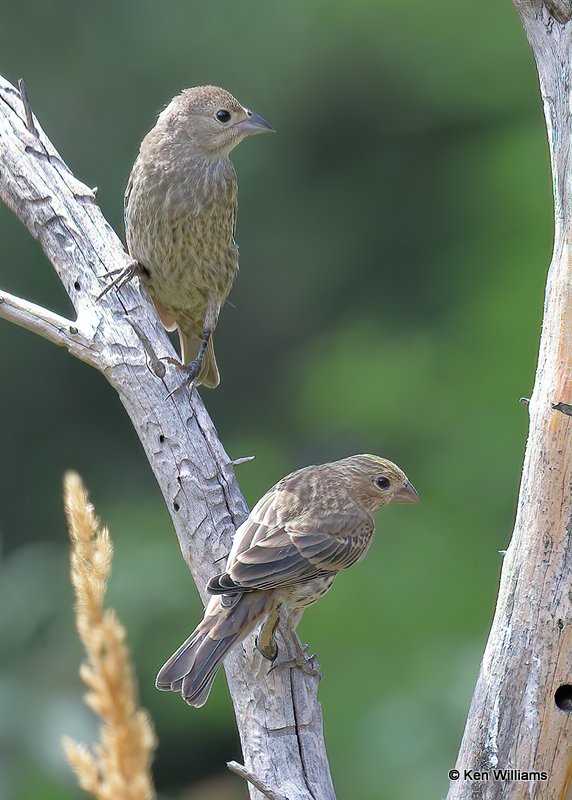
192	669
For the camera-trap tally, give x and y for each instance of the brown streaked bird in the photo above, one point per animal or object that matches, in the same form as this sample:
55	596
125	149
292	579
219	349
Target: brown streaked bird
180	217
309	526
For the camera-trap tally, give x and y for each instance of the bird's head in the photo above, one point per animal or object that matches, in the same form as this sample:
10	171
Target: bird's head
212	120
375	481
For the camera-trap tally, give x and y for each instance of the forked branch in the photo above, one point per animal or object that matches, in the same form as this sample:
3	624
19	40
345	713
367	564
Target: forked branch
278	714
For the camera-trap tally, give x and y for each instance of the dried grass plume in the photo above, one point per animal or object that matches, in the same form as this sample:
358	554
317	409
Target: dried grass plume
119	766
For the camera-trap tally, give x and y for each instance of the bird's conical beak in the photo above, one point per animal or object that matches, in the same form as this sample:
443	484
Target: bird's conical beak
254	124
407	494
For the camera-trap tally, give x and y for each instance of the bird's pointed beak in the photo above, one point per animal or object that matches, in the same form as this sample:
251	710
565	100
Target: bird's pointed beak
407	494
254	124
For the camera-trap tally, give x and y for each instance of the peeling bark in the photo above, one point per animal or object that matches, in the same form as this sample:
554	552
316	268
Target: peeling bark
516	719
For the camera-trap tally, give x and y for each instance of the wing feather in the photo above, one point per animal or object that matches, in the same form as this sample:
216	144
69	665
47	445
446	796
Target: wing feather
276	547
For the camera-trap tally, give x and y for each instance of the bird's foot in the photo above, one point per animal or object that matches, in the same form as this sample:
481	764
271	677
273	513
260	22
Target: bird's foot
174	362
302	661
122	277
192	373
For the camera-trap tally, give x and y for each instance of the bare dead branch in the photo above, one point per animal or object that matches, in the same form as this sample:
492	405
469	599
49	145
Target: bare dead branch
565	408
278	715
516	720
240	770
243	460
56	329
27	108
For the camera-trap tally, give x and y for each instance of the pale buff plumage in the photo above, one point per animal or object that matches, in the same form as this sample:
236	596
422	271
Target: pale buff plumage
120	766
180	215
309	526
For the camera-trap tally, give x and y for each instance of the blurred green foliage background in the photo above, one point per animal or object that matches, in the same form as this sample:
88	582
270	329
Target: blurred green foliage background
394	239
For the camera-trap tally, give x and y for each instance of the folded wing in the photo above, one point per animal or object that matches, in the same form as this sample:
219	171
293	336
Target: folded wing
276	547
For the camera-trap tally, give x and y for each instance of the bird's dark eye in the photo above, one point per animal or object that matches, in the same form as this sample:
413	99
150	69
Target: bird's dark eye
223	115
382	482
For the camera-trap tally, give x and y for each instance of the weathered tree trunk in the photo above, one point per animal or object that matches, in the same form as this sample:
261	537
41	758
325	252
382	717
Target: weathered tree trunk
278	715
521	713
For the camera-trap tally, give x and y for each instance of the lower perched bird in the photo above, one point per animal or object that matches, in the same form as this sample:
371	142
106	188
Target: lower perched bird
309	526
180	217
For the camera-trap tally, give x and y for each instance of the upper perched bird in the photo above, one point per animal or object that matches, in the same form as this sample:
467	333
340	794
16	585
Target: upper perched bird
309	526
180	216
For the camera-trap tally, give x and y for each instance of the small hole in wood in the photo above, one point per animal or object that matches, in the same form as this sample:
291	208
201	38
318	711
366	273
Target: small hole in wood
77	286
176	506
161	438
563	698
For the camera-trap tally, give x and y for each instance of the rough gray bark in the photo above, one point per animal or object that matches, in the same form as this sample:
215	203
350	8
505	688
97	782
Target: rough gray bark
278	715
515	720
